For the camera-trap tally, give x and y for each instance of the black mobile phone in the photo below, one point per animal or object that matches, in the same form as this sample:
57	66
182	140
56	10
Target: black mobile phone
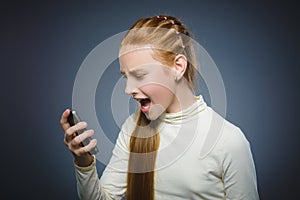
74	119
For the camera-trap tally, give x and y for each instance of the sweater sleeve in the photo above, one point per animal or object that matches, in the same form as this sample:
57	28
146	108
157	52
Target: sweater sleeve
112	184
87	182
239	174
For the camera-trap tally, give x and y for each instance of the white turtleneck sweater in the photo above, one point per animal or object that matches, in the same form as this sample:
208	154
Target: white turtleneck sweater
201	156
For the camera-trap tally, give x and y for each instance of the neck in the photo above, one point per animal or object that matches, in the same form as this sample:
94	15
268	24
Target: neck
183	98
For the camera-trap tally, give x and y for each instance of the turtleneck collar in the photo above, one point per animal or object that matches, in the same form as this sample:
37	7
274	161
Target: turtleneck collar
186	114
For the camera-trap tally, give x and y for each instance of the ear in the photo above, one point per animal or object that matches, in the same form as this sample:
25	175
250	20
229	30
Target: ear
180	64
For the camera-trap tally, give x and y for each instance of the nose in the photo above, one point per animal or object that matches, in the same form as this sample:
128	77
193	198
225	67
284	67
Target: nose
130	88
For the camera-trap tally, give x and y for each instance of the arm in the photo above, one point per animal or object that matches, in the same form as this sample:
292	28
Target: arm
84	162
87	181
239	174
112	184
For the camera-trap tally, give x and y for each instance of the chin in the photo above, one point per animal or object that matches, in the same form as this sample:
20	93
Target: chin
155	112
151	117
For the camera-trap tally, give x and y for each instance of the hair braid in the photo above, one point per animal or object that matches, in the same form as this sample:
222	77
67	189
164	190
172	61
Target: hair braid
169	37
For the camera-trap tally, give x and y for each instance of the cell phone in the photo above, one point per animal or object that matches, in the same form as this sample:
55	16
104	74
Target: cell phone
74	119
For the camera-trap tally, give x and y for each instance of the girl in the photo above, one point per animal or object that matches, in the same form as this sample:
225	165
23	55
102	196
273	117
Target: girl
157	153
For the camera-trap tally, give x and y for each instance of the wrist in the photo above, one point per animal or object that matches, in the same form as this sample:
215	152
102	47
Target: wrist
84	161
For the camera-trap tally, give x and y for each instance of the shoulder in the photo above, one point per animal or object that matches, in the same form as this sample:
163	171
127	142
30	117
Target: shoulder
233	145
232	138
129	124
123	141
127	128
224	136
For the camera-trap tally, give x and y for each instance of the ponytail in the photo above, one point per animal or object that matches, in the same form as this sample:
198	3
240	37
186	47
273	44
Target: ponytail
169	37
144	144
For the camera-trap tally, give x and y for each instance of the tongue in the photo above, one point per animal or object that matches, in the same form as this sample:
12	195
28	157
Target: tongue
145	105
145	102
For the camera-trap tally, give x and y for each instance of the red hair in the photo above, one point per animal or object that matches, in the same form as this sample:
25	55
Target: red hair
165	34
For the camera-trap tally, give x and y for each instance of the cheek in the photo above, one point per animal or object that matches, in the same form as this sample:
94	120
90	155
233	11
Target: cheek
160	85
159	94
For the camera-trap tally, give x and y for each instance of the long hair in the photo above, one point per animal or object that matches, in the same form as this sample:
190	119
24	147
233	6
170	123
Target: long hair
144	143
169	37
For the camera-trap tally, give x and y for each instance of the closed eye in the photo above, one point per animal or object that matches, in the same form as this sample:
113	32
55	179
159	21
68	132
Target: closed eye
140	75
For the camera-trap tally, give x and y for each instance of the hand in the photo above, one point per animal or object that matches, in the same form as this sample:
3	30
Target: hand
73	141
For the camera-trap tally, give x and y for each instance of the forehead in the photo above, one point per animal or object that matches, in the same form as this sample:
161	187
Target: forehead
135	58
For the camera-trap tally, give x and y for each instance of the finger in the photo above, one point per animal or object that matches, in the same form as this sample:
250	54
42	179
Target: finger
85	149
70	133
80	138
64	119
77	127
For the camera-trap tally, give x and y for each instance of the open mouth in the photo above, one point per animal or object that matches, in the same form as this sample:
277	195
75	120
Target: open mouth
145	104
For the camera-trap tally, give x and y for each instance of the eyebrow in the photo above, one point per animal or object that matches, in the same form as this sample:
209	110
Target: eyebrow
133	71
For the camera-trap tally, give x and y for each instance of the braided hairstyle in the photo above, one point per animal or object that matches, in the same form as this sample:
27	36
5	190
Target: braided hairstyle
167	37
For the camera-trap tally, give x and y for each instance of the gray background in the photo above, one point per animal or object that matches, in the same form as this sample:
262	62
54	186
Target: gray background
254	44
